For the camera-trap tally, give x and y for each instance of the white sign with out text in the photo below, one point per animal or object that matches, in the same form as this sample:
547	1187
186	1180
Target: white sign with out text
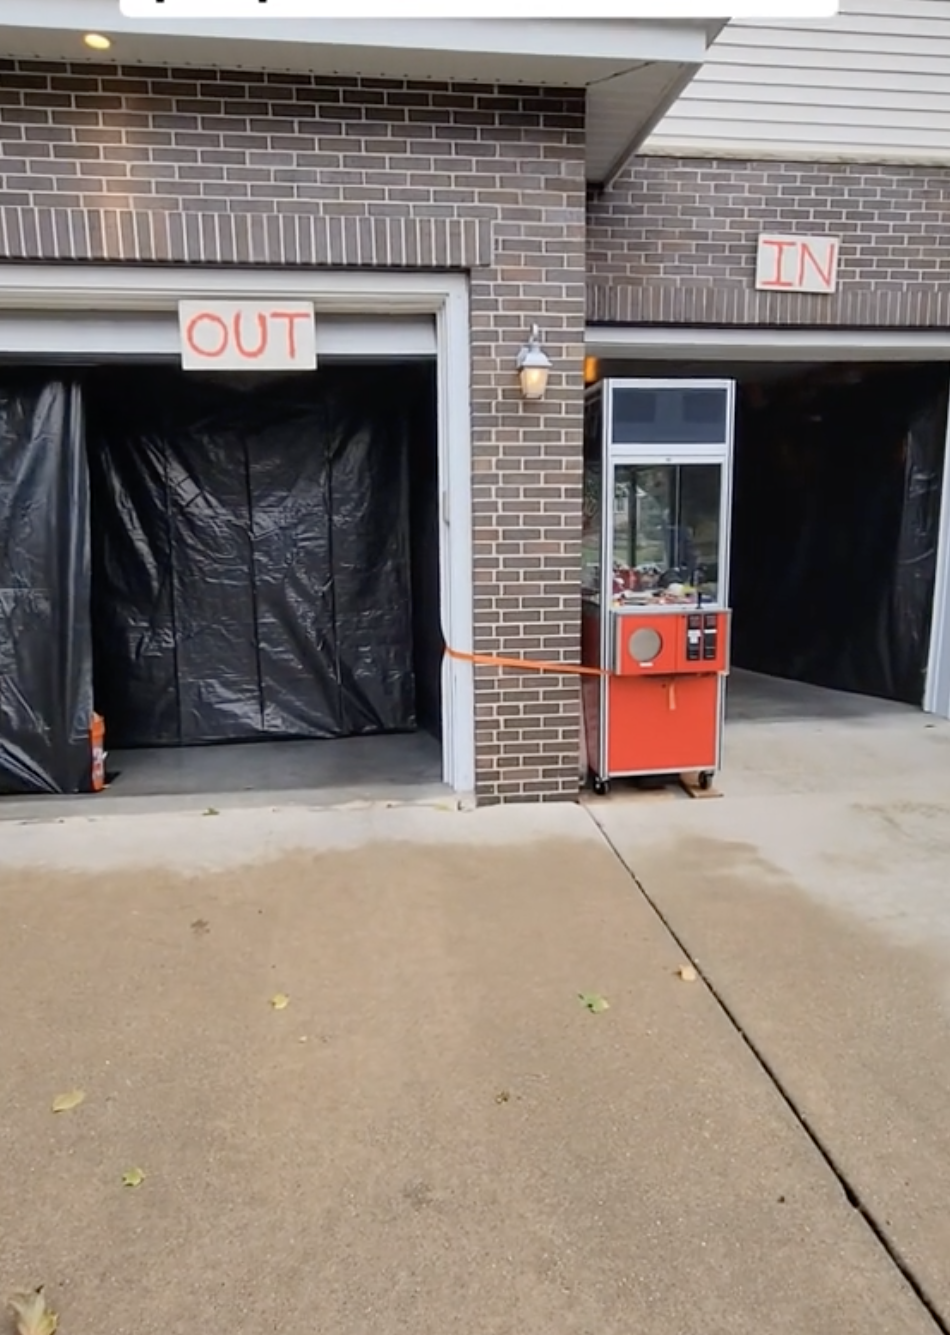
247	335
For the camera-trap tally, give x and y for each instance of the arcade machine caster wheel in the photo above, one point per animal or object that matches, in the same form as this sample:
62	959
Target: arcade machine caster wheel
706	780
601	786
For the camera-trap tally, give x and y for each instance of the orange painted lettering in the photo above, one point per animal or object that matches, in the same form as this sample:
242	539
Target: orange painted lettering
780	249
192	326
291	317
251	353
826	274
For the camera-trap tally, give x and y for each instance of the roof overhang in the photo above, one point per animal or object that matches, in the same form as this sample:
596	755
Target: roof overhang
633	70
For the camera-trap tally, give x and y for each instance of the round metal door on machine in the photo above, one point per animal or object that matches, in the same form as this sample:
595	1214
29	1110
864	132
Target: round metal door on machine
657	497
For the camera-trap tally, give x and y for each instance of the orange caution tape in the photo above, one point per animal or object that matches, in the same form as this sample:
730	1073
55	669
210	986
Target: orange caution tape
526	664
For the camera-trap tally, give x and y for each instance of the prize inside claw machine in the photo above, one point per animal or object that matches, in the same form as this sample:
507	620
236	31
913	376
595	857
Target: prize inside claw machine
657	495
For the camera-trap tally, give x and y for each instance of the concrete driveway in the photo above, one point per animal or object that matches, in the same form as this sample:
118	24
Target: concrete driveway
815	897
434	1134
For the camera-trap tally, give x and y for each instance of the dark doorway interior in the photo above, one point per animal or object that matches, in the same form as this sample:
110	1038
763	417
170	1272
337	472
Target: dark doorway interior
248	559
252	553
838	479
836	515
424	537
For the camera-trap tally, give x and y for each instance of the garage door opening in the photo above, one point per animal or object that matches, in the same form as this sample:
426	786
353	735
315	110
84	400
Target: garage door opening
836	517
838	475
255	573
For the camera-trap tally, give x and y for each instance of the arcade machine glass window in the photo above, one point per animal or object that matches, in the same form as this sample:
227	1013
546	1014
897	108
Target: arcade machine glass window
666	538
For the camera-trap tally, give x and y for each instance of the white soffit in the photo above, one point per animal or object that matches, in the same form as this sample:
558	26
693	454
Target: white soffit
621	112
559	52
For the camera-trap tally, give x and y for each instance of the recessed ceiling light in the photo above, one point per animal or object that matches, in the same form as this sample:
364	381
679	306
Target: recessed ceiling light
97	41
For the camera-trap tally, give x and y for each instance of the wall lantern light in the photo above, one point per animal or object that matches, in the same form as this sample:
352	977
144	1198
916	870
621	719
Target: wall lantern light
534	367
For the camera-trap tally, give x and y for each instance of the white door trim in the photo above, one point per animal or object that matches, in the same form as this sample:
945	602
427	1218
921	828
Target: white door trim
937	682
62	288
681	343
131	287
156	336
456	554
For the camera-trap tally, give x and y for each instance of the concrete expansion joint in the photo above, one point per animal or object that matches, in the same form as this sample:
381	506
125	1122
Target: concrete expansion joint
850	1193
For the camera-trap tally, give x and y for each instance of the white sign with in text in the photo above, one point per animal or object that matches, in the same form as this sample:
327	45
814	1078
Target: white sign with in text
797	263
247	335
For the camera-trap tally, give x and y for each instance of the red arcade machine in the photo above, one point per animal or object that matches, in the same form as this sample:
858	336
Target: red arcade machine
657	496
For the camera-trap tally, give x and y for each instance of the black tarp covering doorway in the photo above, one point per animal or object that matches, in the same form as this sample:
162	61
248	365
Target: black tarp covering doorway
835	526
45	639
251	553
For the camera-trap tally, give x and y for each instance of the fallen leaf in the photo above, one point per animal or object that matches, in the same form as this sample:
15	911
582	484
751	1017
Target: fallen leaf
280	1001
211	811
31	1314
66	1102
593	1002
687	973
133	1178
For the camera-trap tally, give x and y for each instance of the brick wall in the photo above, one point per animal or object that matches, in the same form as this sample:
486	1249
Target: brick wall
673	241
158	165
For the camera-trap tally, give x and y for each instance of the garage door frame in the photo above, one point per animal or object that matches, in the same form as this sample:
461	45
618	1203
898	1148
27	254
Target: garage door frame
718	345
154	337
97	290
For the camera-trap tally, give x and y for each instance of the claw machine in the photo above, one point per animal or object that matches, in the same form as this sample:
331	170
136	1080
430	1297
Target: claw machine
657	519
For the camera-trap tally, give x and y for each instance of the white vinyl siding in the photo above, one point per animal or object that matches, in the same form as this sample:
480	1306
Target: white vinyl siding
872	84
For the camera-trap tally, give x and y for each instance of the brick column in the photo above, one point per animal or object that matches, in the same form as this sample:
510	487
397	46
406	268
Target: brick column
528	462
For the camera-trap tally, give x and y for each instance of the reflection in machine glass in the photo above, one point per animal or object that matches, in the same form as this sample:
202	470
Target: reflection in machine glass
666	534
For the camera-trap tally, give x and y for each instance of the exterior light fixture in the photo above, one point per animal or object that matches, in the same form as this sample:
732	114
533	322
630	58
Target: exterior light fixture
534	367
97	41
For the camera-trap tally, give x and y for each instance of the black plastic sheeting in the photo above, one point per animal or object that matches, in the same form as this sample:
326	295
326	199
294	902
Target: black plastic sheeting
424	527
836	517
45	640
211	559
251	554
